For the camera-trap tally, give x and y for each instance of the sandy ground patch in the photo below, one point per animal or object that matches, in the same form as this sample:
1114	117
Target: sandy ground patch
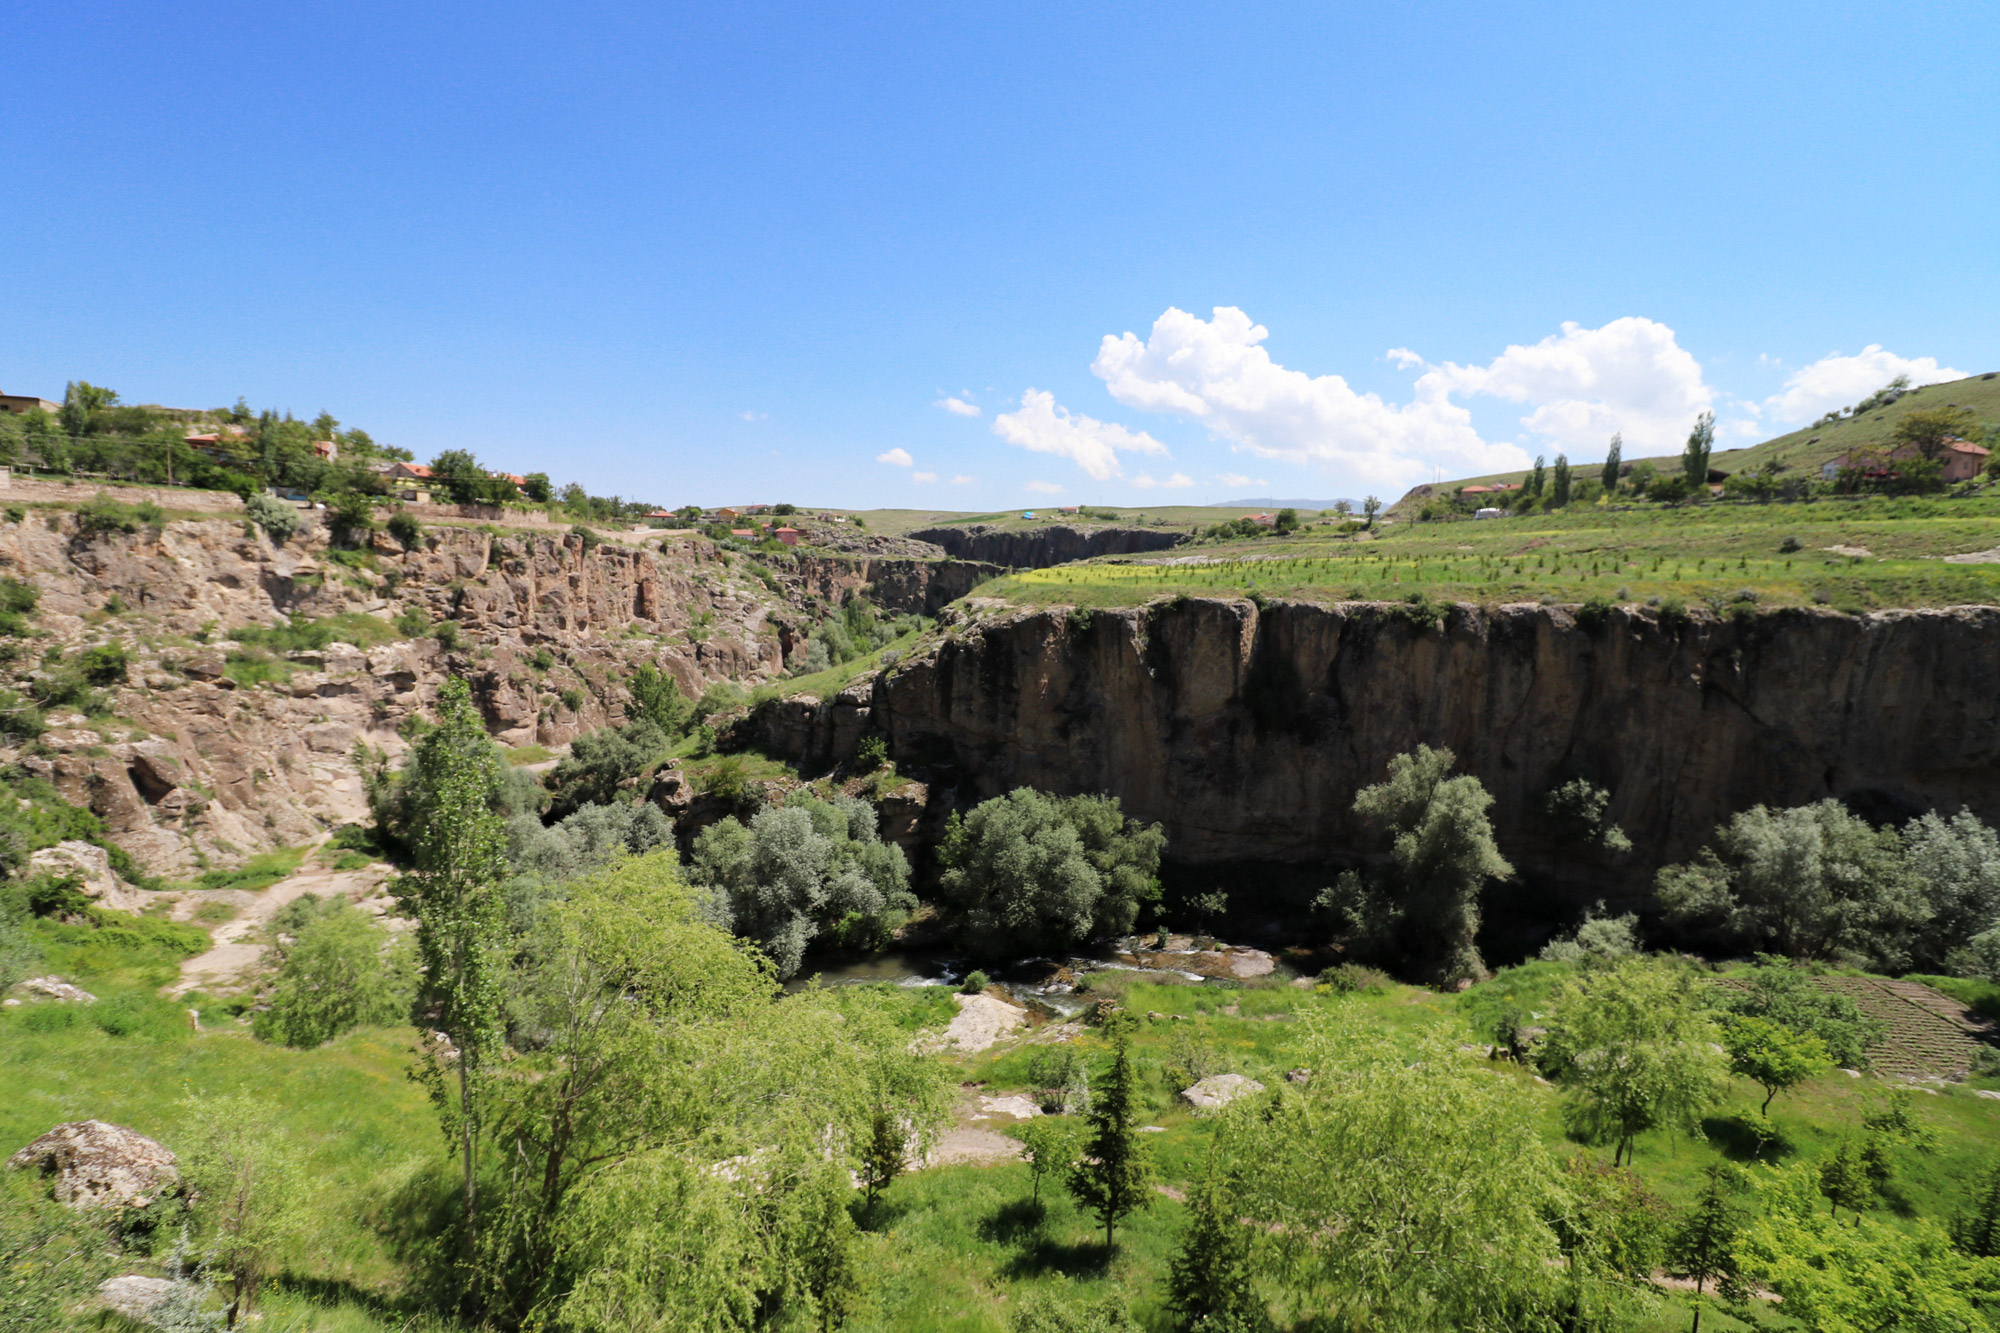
981	1021
237	944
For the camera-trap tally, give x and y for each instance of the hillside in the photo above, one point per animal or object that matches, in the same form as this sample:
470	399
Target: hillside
1802	451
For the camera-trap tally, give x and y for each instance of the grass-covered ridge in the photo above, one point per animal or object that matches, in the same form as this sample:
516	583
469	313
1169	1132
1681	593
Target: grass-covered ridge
1850	554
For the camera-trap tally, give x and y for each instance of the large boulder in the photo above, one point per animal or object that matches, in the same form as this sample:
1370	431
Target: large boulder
91	865
136	1296
1219	1090
97	1165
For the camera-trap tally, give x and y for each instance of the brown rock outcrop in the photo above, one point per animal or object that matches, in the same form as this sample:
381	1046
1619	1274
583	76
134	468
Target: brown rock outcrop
1246	731
97	1165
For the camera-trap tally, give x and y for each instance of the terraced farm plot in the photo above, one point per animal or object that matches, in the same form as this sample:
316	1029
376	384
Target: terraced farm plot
1930	1035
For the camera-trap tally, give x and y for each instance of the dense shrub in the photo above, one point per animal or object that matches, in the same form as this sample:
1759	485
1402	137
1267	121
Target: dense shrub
278	519
337	970
800	871
403	526
600	760
1027	872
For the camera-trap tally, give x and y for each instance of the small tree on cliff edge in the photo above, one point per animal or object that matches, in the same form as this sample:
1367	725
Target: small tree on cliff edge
1115	1177
459	848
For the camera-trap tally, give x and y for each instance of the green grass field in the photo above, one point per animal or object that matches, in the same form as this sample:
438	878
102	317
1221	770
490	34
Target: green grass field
1784	554
951	1248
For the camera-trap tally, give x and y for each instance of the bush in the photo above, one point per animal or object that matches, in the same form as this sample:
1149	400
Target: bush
871	754
350	519
446	633
18	598
278	519
106	664
413	621
336	971
975	982
586	536
573	699
405	529
599	762
102	516
1594	613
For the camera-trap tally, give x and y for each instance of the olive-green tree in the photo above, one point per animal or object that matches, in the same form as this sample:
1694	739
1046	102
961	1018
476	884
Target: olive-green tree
1613	463
248	1189
336	970
1559	482
1976	1228
1635	1049
1425	911
1050	1143
1115	1177
459	846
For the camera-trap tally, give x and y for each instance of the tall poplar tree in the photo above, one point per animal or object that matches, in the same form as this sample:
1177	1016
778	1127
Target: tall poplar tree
1614	464
1694	458
459	847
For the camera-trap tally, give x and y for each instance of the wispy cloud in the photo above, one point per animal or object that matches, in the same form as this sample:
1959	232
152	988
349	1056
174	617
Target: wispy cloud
755	416
962	480
923	476
1045	488
1174	482
957	406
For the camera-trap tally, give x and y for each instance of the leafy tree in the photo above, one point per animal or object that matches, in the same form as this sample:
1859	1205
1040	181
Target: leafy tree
1400	1187
1027	871
1285	520
1115	1177
1838	1278
1810	882
1369	508
1559	483
1694	458
1537	479
1613	465
1976	1230
536	487
1843	1179
1780	991
675	1149
350	517
1928	429
881	1157
1955	864
1634	1047
334	973
1773	1056
600	762
248	1188
657	697
1889	1123
458	845
800	870
1442	854
1209	1278
1702	1244
1575	812
1050	1143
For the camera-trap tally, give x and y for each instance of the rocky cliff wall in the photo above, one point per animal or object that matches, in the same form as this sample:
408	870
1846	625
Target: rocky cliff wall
188	767
1038	548
1246	731
918	587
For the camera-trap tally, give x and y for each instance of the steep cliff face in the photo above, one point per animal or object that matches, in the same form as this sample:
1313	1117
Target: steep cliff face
1247	731
917	587
1039	548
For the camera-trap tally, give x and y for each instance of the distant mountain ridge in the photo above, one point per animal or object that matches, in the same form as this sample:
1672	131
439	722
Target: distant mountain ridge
1266	502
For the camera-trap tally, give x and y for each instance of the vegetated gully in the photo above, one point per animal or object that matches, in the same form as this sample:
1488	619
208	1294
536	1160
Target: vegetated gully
1245	730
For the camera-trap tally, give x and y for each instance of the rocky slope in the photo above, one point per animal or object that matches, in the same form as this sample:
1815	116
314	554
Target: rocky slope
1038	548
1246	731
194	769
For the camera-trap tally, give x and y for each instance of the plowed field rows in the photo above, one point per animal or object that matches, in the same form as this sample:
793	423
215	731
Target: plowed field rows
1929	1034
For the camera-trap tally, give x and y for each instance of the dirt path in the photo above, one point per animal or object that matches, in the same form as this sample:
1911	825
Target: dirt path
237	944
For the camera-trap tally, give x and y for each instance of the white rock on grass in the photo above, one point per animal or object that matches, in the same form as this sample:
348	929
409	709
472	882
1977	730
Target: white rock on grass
1218	1090
55	988
135	1296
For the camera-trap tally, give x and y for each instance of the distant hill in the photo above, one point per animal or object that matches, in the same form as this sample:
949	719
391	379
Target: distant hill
1265	502
1802	450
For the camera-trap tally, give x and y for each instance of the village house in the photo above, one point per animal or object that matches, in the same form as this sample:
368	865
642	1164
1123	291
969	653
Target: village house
789	536
1962	460
326	449
19	403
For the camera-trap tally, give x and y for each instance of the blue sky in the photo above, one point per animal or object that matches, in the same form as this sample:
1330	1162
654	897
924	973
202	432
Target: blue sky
743	252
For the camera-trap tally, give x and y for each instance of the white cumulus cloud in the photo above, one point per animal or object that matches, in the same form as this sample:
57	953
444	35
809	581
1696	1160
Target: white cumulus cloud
896	458
1215	372
957	406
1631	376
1045	488
923	476
1046	428
1238	479
1841	381
1174	482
